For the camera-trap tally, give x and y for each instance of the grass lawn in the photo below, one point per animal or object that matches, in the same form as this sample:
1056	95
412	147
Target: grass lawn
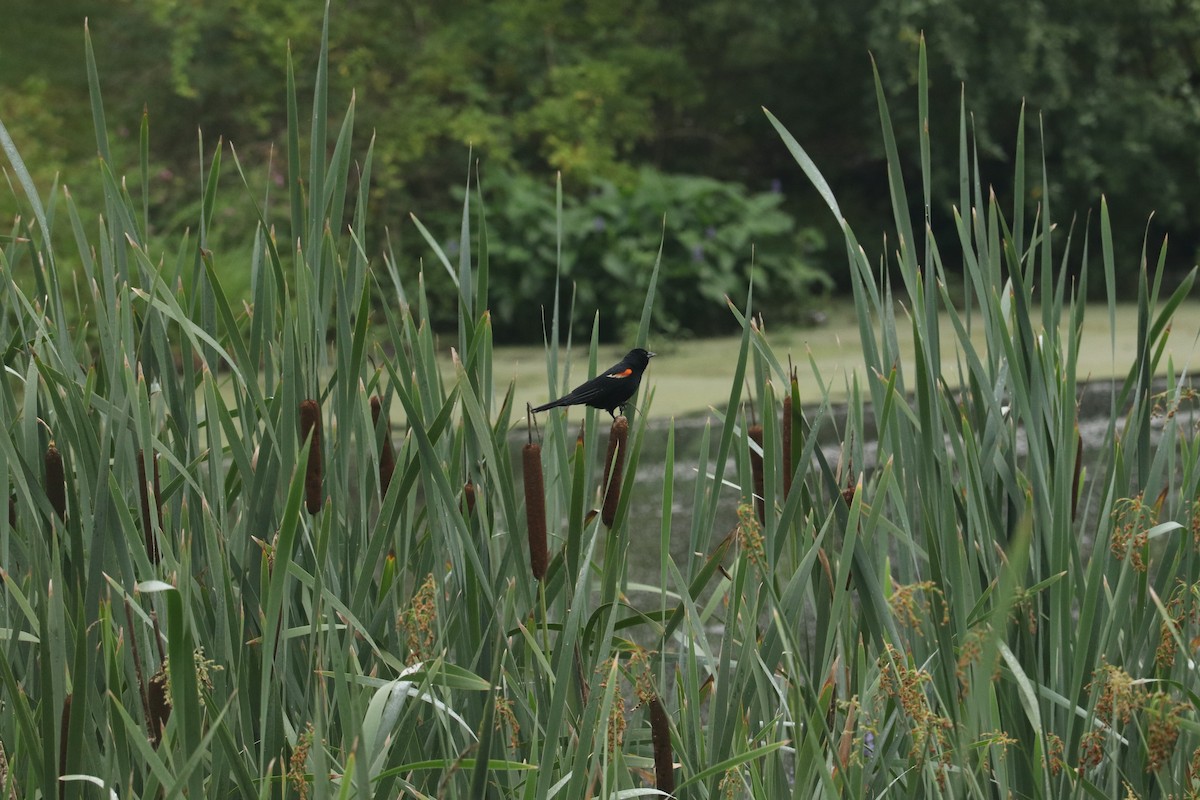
690	376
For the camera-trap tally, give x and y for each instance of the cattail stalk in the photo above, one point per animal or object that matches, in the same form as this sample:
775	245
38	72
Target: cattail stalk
64	725
790	416
788	466
756	470
535	509
614	469
6	776
468	498
387	454
56	482
160	704
152	550
310	422
1075	484
660	736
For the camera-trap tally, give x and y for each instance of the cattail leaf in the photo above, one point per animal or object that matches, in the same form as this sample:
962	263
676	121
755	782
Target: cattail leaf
437	476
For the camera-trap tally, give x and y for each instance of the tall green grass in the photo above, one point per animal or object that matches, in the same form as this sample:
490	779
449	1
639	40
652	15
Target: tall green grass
931	617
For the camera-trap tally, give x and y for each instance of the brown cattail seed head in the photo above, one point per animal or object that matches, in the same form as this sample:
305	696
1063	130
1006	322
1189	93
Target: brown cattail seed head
660	736
160	704
614	468
56	482
535	509
387	455
469	498
152	551
310	422
756	471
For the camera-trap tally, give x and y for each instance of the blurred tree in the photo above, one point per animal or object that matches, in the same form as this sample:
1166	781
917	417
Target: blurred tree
600	89
1114	83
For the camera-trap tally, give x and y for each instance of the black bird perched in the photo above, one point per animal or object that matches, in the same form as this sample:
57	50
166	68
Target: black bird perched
610	389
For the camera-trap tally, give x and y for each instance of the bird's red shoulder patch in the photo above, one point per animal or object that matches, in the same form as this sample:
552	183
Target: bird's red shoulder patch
625	373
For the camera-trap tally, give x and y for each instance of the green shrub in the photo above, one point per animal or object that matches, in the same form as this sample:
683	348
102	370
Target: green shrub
711	233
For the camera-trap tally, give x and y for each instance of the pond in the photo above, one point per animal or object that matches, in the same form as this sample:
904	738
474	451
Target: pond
1095	404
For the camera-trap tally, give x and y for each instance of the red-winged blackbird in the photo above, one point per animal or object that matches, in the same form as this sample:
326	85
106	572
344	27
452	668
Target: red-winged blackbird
610	389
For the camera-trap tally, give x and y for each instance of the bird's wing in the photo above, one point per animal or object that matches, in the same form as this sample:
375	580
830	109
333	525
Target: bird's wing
598	385
619	371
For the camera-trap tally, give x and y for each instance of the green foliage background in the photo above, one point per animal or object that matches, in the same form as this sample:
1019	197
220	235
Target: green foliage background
607	93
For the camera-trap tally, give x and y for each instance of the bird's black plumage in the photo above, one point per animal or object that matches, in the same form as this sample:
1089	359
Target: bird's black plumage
610	389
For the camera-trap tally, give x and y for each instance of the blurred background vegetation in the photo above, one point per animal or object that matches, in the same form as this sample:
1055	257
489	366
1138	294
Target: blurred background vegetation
647	108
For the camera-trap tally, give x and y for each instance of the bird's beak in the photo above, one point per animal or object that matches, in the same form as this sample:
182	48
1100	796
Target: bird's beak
651	355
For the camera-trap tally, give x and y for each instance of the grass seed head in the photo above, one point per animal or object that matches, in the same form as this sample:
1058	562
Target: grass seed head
617	722
6	778
535	509
297	773
505	716
750	537
1054	755
1164	717
418	622
1119	694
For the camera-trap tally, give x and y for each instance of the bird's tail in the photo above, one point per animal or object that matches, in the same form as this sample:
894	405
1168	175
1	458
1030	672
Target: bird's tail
547	406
